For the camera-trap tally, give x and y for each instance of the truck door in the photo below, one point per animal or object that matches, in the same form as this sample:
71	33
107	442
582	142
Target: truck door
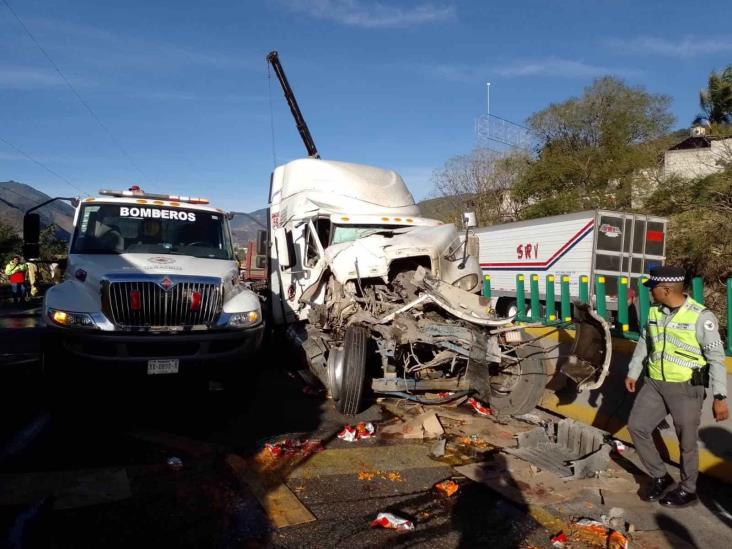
307	263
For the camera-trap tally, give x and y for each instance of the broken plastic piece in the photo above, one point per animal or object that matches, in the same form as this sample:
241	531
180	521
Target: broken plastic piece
175	463
360	431
392	522
559	541
478	407
447	487
618	446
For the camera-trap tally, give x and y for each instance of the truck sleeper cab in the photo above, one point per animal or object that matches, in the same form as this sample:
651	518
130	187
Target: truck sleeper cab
151	286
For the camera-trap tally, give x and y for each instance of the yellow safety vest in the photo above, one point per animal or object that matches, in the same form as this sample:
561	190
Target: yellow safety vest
674	350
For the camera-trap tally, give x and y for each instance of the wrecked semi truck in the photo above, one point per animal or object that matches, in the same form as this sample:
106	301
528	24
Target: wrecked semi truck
382	300
151	286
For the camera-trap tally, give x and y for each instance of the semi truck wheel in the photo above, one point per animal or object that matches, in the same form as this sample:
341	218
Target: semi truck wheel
517	388
353	378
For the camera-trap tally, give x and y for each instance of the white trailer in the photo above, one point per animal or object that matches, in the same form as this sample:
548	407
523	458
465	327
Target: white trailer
596	242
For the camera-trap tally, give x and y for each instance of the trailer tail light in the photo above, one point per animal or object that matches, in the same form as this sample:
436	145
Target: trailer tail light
195	301
654	236
135	301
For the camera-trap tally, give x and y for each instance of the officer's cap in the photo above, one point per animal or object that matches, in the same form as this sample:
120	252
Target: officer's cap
668	273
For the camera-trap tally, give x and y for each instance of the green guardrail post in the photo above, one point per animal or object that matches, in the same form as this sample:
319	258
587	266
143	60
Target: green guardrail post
623	323
584	289
535	303
644	301
601	305
520	297
551	315
487	286
566	303
729	316
697	289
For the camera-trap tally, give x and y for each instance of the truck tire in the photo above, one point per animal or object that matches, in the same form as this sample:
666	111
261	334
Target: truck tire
355	349
527	383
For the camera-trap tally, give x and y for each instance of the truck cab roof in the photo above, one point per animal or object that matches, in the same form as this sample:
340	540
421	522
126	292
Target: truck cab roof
342	188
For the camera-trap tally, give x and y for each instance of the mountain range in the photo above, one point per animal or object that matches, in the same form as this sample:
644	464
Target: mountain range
16	198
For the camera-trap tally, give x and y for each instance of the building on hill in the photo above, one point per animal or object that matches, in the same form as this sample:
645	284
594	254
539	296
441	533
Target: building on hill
699	155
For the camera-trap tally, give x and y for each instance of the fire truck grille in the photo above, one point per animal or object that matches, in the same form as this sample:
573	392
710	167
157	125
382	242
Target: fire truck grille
147	304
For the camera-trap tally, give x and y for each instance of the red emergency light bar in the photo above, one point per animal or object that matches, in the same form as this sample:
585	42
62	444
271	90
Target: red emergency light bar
136	192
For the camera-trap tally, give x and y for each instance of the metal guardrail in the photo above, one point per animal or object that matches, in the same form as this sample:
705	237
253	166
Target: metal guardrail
622	321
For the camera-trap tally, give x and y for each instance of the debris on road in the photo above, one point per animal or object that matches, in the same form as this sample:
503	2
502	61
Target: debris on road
559	541
175	463
291	447
593	532
447	487
387	520
618	446
432	426
479	408
360	431
567	448
393	476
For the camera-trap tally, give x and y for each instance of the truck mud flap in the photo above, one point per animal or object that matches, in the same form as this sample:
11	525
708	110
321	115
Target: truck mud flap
589	359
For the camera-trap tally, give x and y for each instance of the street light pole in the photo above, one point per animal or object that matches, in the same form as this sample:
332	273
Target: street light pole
488	99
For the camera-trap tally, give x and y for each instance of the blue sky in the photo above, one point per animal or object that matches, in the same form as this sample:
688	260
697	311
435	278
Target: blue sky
182	85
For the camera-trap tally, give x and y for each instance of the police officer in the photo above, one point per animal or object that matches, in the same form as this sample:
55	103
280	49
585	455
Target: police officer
678	346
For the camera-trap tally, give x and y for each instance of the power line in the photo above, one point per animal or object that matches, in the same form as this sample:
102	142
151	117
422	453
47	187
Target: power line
76	93
41	164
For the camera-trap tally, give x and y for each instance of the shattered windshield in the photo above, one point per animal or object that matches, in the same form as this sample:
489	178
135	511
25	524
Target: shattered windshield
349	233
126	228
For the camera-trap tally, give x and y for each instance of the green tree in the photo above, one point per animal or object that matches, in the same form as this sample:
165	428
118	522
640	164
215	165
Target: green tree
591	148
716	100
52	247
10	243
480	182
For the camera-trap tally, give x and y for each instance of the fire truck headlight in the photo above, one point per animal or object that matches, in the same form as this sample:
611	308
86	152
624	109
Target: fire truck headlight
241	320
69	319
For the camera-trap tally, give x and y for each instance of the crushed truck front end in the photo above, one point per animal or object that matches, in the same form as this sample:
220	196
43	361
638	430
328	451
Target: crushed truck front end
151	287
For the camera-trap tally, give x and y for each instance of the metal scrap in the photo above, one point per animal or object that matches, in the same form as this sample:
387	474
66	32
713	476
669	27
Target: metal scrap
566	448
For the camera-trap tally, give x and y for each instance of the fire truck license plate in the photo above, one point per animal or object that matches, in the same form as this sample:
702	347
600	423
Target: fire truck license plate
162	366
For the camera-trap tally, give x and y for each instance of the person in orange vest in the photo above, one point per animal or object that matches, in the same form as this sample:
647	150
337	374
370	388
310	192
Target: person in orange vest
15	271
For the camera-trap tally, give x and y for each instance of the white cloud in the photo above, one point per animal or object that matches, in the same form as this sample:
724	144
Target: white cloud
565	68
97	47
371	14
13	77
548	67
689	46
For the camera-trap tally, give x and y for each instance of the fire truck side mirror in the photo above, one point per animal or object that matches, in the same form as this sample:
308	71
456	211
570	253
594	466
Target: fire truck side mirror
261	242
31	236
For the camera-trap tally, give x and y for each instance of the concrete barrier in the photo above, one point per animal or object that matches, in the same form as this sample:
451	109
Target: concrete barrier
608	407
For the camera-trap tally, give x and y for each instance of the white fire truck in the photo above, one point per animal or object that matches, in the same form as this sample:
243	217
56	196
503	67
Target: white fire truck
151	286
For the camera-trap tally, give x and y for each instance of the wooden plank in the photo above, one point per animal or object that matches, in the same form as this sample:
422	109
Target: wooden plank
282	507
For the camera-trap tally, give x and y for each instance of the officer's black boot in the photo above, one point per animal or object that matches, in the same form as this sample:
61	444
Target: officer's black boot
678	497
657	487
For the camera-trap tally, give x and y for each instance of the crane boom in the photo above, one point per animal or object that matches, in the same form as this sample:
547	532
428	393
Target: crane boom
302	127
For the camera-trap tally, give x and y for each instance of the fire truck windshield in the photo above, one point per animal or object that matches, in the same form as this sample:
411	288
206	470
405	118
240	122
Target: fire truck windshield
128	228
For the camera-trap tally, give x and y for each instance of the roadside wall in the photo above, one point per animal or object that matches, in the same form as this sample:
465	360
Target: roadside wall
608	407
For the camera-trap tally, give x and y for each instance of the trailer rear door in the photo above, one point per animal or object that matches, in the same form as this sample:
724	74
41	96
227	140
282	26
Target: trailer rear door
628	245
